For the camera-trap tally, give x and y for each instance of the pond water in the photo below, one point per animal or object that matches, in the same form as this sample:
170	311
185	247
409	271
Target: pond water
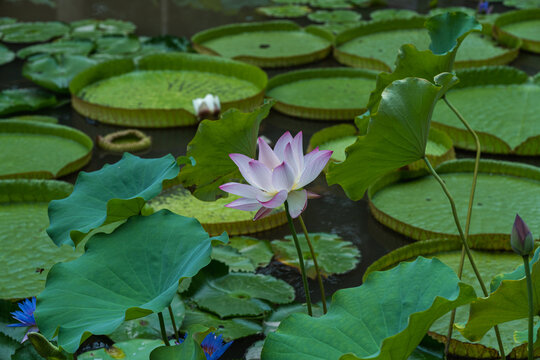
333	213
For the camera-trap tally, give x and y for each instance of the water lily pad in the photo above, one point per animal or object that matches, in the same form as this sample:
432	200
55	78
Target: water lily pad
136	349
62	46
467	10
38	118
115	45
375	45
164	43
522	4
266	44
130	140
334	255
336	16
93	29
520	24
6	55
39	150
230	329
391	201
337	28
159	249
241	294
27	252
290	1
504	112
56	72
214	216
157	90
490	263
29	32
330	4
19	100
352	327
284	11
392	14
244	254
7	20
322	94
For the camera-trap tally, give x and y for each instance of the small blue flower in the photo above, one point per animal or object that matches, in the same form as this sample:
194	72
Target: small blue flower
25	316
214	346
483	7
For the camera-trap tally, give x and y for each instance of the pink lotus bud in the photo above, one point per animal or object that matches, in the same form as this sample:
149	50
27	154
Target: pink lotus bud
521	238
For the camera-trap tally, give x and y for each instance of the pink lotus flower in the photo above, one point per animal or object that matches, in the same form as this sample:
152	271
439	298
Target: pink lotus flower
278	176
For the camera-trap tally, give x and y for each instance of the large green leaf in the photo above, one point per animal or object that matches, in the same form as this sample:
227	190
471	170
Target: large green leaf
18	100
125	275
117	45
385	318
397	134
56	72
63	46
29	32
136	349
235	132
113	193
6	55
189	349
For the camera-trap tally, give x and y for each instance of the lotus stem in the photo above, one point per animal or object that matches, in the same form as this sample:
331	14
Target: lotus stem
176	336
300	259
531	305
315	263
465	246
163	331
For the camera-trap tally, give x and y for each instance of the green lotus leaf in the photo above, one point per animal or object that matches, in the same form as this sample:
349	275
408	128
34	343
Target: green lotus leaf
230	329
447	30
38	118
235	132
397	135
19	100
243	254
330	4
125	275
239	294
403	299
284	11
6	55
271	323
467	10
29	32
93	29
428	349
113	193
189	349
334	255
233	259
135	349
390	14
336	16
56	72
115	45
62	46
517	274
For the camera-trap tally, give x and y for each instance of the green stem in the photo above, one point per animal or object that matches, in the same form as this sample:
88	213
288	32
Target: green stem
163	331
465	245
176	336
531	305
315	263
300	259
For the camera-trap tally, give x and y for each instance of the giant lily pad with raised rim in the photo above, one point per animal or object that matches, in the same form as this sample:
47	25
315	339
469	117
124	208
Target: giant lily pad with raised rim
491	264
29	32
520	24
27	252
213	215
322	94
19	100
128	274
30	149
375	45
157	90
266	44
351	330
419	209
501	105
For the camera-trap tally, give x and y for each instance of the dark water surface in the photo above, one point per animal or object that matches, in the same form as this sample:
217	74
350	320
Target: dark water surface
334	212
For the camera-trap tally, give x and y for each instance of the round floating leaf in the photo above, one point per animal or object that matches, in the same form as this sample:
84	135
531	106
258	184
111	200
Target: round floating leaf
38	118
113	193
62	46
290	1
93	29
145	258
230	329
337	28
404	299
27	252
330	4
520	24
323	93
7	20
336	16
266	44
334	255
164	43
271	323
114	45
130	140
6	55
467	10
31	149
190	348
29	32
19	100
233	259
397	135
240	294
136	349
285	11
392	14
244	254
56	72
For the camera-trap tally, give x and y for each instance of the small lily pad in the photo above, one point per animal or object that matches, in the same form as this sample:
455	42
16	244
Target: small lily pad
290	1
38	118
93	29
116	45
136	349
335	17
330	4
284	11
391	14
130	140
29	32
19	100
243	254
337	28
6	55
334	255
164	43
62	46
242	294
467	10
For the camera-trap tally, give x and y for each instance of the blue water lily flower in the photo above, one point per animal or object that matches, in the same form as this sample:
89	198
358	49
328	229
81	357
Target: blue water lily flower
214	346
25	316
